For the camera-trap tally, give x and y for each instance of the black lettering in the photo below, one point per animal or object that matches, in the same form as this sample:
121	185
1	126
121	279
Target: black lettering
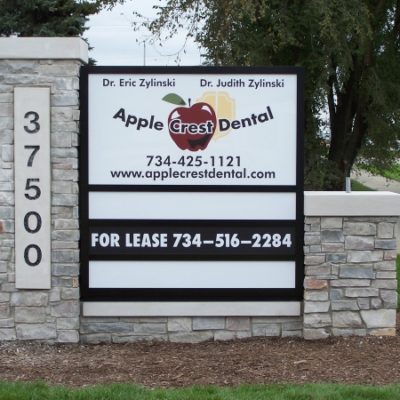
35	188
32	156
120	114
33	263
263	117
33	121
224	124
38	222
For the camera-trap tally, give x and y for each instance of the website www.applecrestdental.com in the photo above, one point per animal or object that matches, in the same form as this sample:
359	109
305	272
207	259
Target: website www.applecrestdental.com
213	173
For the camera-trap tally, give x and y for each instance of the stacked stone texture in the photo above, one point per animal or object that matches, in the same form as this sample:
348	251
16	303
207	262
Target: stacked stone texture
186	329
47	315
350	276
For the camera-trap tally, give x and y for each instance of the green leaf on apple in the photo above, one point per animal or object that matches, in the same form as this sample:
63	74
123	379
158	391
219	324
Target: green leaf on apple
174	98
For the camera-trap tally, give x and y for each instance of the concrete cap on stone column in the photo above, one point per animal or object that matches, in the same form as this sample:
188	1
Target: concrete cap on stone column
56	48
351	204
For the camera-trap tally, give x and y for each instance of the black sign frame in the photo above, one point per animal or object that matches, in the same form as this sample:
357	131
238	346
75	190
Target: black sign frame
190	294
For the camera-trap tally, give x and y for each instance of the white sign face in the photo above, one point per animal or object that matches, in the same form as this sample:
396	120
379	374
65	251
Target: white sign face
184	129
32	187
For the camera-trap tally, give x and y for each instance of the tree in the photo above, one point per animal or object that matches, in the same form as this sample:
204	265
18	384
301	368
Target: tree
350	51
47	17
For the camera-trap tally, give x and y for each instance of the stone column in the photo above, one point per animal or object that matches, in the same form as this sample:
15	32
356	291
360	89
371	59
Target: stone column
350	264
46	315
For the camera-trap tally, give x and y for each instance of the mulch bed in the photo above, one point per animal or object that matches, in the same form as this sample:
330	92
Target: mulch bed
355	360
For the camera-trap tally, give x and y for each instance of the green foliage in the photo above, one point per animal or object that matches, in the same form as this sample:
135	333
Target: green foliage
40	391
391	172
47	17
349	49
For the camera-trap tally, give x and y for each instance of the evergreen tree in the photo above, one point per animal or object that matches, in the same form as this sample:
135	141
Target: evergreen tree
47	17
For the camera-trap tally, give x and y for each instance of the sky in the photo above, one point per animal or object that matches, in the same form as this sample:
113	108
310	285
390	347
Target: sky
116	42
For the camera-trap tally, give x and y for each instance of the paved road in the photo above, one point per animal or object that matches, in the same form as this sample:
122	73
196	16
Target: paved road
379	183
376	182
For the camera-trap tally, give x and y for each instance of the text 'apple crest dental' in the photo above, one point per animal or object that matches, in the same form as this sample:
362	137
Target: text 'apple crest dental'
191	128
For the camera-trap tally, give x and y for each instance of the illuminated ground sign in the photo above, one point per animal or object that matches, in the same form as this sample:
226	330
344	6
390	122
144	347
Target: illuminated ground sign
191	183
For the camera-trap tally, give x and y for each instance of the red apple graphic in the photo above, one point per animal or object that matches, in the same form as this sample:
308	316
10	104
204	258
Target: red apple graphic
191	128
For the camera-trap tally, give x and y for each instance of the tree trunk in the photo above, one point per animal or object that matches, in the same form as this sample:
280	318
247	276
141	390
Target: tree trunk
347	121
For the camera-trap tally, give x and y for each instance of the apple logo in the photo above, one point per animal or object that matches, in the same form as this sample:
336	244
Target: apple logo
192	127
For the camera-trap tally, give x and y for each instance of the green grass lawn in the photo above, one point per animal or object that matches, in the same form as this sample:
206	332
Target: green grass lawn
393	173
40	391
359	187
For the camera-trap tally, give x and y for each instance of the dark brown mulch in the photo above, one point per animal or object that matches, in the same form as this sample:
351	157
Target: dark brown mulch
372	360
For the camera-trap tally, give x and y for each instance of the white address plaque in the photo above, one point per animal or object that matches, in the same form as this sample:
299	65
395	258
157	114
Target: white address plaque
32	187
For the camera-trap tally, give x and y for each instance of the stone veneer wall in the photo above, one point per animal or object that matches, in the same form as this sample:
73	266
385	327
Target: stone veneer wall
350	276
49	315
186	329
